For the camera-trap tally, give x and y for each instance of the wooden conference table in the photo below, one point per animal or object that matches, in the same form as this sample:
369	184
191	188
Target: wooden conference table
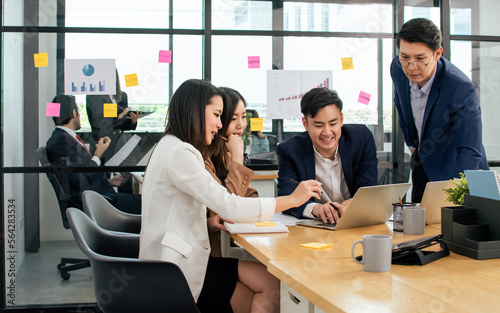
331	281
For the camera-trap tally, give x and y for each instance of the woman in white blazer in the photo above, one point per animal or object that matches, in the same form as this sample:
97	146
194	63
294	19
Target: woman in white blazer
176	192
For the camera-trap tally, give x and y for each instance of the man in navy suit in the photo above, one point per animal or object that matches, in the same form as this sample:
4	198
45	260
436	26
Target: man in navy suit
438	108
65	148
342	157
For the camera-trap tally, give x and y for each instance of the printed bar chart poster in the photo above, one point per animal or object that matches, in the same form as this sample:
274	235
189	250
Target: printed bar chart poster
285	89
89	77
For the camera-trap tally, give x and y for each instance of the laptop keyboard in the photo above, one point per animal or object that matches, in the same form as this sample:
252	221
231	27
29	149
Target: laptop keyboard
327	224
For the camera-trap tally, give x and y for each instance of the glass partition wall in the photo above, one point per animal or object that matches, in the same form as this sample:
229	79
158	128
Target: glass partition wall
211	39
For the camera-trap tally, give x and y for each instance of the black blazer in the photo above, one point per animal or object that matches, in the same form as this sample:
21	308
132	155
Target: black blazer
357	152
63	151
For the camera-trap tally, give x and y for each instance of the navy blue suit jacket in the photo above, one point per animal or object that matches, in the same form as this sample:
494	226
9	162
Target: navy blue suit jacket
64	150
357	152
451	138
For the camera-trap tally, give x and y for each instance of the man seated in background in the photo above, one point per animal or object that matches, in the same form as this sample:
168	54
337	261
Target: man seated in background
342	157
66	149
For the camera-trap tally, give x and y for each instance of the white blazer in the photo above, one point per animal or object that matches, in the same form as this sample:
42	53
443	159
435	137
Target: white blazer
175	194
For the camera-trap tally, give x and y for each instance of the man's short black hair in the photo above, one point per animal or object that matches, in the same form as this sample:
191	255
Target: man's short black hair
318	98
420	30
68	104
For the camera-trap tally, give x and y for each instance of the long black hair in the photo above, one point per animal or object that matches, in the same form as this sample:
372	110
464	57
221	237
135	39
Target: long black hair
219	151
186	113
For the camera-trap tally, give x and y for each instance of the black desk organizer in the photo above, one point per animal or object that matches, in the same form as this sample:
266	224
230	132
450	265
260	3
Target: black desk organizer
473	229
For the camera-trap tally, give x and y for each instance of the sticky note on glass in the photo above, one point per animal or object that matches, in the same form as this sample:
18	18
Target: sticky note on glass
110	110
254	62
165	56
347	64
131	80
41	59
364	97
316	245
265	224
53	109
256	124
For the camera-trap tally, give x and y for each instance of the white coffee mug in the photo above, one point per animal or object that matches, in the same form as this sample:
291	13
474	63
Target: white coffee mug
414	220
377	253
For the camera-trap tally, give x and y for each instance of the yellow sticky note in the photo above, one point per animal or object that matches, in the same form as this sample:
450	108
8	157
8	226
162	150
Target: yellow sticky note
265	224
347	64
110	110
316	245
41	59
256	124
131	80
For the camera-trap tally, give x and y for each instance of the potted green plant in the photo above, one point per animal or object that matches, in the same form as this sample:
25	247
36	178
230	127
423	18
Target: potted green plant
456	194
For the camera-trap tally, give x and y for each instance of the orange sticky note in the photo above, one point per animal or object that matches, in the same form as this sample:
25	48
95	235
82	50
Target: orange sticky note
41	59
110	110
256	124
316	245
131	80
347	64
265	224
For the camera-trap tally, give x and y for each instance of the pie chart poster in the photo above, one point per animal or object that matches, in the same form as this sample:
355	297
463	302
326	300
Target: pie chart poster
89	77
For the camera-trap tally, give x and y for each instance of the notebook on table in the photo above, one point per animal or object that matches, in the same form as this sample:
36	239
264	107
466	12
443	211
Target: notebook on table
272	226
483	183
369	206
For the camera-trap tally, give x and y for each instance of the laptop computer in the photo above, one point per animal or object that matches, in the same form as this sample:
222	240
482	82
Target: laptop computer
433	199
370	206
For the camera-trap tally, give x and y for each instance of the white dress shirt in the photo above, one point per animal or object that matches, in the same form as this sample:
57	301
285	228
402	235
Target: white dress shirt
329	173
418	101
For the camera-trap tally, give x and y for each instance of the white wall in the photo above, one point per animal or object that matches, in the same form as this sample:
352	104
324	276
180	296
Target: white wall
489	88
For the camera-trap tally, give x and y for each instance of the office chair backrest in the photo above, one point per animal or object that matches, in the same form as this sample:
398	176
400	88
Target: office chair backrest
107	216
122	282
99	244
60	182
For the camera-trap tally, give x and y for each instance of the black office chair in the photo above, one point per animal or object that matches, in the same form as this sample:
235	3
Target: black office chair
107	216
60	183
143	286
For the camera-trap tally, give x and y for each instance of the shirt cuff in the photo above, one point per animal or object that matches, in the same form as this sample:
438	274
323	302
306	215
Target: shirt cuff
411	148
268	208
308	210
96	160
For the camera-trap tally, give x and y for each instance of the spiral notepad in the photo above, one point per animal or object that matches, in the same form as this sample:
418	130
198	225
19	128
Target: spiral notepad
483	183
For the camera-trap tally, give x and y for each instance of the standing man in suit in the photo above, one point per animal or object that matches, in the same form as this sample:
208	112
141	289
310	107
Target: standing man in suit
110	127
438	108
65	148
342	157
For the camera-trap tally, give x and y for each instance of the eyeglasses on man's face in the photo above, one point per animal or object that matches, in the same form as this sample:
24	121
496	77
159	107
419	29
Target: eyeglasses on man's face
403	63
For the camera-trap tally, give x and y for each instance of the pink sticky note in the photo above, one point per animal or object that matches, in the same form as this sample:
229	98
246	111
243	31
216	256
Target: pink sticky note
364	97
53	109
254	62
165	56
